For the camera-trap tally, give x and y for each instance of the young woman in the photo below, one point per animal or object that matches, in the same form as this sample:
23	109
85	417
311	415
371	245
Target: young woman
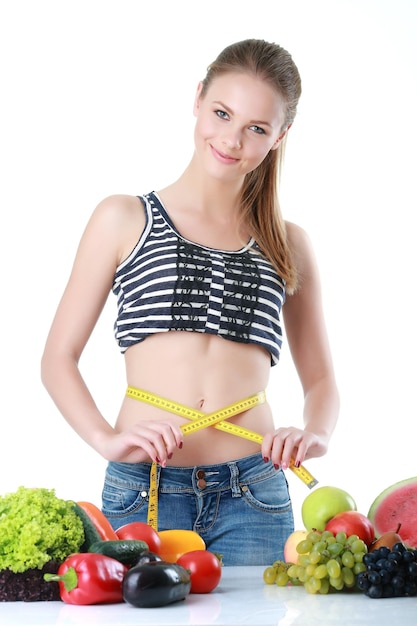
205	273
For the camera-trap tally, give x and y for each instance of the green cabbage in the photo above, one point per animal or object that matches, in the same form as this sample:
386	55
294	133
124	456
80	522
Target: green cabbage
37	527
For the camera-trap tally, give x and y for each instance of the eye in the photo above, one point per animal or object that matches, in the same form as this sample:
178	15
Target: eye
258	130
222	114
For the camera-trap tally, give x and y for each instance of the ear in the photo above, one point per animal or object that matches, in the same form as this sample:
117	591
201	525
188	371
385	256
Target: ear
197	98
281	137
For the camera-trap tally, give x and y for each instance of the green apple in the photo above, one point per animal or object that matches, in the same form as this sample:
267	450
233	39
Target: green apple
324	503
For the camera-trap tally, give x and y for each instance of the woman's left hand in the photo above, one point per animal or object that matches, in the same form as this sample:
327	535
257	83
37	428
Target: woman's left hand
286	444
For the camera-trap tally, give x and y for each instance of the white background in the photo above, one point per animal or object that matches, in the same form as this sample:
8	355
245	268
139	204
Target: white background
96	99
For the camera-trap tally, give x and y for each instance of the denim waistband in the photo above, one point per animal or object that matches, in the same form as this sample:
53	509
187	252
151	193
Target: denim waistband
230	474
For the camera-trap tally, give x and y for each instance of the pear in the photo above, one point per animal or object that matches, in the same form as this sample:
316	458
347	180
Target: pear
388	539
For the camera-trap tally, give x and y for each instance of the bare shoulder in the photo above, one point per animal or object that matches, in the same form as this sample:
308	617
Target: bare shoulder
117	221
119	209
301	248
296	234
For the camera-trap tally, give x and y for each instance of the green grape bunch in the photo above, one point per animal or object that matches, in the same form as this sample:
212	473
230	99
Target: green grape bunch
326	563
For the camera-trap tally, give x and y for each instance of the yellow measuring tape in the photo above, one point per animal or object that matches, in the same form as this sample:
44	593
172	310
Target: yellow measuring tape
202	420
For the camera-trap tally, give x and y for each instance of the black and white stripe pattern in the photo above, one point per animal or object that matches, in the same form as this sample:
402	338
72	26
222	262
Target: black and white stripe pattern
169	283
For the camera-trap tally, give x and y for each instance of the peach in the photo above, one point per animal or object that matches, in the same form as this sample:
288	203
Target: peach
290	552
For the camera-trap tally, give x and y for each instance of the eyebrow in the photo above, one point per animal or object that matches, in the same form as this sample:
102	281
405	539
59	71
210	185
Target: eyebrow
229	110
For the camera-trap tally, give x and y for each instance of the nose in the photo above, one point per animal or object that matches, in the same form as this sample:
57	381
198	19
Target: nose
233	140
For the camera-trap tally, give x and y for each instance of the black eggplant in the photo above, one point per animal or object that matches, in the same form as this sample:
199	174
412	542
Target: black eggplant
148	557
155	584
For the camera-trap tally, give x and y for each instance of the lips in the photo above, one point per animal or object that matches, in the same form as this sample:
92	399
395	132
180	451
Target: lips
221	156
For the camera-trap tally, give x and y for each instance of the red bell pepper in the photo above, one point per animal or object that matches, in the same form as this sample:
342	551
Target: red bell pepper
90	578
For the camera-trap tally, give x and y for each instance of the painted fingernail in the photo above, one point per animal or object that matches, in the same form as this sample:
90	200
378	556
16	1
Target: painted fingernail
170	455
297	464
266	459
180	445
276	466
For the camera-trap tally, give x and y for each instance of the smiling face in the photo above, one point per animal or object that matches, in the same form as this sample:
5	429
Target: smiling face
239	120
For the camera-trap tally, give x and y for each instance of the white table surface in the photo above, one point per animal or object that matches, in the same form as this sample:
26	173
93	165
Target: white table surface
241	598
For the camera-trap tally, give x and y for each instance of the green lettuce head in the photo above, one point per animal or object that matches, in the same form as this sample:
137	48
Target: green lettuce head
37	527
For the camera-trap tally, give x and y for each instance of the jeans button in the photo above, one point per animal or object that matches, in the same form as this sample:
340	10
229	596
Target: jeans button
201	483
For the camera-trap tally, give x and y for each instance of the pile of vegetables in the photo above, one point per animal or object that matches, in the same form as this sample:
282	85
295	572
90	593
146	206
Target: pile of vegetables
119	566
38	531
53	549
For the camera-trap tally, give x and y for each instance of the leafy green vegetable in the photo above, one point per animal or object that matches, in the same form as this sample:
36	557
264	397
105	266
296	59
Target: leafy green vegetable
35	528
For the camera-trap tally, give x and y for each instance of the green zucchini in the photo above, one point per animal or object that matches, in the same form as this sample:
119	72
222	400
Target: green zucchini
91	534
127	551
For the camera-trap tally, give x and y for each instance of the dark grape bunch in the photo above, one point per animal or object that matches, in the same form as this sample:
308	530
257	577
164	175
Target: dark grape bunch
389	572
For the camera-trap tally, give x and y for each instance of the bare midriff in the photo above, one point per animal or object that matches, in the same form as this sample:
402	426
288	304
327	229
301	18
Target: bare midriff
205	373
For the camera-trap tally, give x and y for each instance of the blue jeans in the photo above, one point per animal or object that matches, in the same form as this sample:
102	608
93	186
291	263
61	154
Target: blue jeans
242	509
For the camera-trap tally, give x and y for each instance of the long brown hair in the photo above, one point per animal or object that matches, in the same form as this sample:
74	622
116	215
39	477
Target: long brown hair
260	209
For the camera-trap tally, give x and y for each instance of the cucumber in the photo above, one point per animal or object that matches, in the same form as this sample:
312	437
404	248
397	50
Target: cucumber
127	551
91	534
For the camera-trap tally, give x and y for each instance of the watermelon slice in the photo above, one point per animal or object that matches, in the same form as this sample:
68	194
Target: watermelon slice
397	505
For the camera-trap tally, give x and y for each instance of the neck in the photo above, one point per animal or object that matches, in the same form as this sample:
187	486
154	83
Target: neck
210	195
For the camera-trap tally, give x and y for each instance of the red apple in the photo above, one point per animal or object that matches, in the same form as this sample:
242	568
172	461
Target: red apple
352	523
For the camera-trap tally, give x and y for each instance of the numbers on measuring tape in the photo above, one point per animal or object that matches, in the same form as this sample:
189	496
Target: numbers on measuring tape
218	416
304	475
153	498
190	413
217	419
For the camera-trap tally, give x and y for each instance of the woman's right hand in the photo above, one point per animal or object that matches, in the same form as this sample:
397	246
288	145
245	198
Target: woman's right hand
149	440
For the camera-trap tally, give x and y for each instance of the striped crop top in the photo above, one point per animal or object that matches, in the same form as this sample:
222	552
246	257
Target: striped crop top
169	283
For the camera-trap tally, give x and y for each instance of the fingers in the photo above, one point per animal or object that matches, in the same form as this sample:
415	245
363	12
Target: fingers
162	439
158	440
285	446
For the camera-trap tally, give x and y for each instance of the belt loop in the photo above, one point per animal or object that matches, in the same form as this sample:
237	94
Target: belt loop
234	482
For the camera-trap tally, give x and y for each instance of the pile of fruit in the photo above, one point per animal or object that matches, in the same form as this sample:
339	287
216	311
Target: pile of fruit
343	549
389	572
325	562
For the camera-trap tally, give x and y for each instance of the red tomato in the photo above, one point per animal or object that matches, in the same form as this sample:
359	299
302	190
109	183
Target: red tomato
142	531
205	570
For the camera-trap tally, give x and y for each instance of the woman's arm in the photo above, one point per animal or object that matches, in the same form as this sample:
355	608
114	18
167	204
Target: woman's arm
308	341
110	235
